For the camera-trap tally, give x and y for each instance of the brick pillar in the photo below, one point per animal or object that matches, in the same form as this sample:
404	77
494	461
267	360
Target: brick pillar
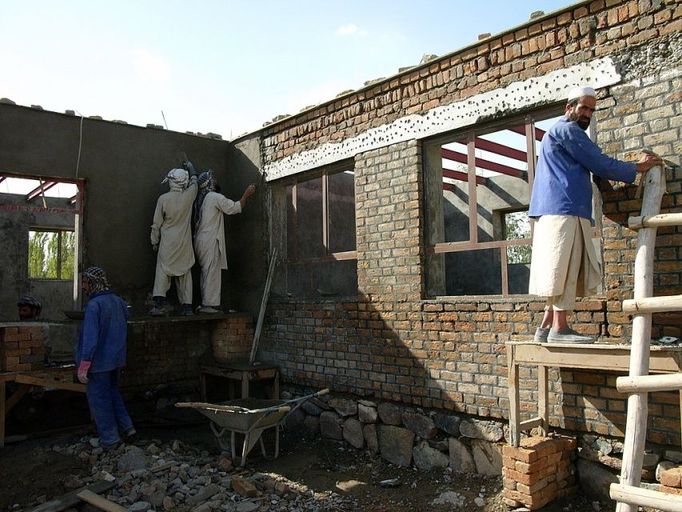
539	471
231	338
22	347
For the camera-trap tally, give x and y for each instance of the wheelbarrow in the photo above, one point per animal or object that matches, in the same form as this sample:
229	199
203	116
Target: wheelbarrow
249	417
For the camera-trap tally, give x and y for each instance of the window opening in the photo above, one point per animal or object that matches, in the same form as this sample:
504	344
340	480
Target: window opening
321	246
478	185
51	254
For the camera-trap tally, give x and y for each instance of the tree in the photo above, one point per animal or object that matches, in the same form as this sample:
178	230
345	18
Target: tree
517	226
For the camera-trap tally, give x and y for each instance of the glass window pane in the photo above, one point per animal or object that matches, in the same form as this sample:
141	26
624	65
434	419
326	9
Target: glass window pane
309	217
341	211
42	254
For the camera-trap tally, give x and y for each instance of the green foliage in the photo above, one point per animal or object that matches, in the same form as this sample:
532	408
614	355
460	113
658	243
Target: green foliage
51	254
517	225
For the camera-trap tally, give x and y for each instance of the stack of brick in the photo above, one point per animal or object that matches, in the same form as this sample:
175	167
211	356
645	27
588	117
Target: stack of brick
22	347
232	338
538	471
671	481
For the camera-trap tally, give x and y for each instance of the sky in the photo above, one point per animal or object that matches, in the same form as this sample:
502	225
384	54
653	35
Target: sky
225	66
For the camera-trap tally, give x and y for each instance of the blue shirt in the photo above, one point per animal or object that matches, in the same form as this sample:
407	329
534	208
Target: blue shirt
104	332
562	183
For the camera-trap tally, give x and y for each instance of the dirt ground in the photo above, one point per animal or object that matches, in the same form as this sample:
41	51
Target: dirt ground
31	471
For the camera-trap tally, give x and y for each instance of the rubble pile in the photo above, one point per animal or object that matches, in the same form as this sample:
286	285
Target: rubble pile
174	476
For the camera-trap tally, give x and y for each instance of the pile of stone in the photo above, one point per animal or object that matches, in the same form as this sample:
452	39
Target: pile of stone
406	436
600	461
178	477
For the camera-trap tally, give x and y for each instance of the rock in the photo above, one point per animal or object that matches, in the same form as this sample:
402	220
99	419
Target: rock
367	414
673	456
203	494
450	498
480	502
603	446
312	424
247	506
330	425
650	460
352	433
282	488
486	430
349	485
595	480
487	456
134	458
663	466
367	403
390	414
344	407
369	432
427	458
421	425
461	459
310	408
448	423
395	444
168	503
294	419
224	463
140	506
72	482
244	487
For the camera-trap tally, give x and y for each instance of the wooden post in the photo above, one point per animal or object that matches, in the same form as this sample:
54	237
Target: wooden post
543	403
513	387
263	304
635	432
2	412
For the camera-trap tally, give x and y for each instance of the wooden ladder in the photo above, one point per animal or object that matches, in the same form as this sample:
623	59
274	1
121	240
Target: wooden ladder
639	383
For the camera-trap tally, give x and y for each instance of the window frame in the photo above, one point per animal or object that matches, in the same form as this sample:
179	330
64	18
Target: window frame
469	133
329	255
60	256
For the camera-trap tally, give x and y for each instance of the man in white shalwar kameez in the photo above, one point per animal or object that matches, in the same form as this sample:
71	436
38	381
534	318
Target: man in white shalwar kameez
171	236
209	237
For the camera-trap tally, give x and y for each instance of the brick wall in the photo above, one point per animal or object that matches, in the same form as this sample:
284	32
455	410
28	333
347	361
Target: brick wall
22	346
166	352
392	343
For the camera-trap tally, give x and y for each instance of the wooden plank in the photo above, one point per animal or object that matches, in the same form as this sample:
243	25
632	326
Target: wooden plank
16	396
263	305
513	389
47	382
3	390
634	496
71	499
543	399
531	423
594	356
100	502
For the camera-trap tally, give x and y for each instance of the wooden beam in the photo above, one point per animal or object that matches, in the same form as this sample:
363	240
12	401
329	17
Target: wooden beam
663	219
646	498
648	383
98	501
653	304
500	149
71	499
41	189
531	423
539	133
462	176
47	382
482	163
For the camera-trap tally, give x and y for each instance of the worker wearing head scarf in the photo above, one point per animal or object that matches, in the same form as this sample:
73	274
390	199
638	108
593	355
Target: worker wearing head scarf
564	262
171	236
209	237
100	355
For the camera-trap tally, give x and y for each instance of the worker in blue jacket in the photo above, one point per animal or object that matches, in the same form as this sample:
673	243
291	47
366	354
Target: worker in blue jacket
564	262
100	355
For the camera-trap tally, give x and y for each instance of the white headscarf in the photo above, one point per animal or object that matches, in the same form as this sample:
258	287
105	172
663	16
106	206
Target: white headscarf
579	92
177	179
